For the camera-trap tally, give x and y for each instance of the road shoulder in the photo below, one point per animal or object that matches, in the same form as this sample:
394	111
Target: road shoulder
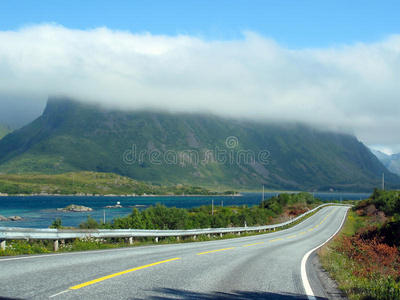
328	284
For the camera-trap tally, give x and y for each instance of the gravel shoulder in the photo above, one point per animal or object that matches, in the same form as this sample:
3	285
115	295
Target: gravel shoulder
329	285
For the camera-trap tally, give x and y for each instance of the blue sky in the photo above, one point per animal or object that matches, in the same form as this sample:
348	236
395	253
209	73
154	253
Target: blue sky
332	64
295	24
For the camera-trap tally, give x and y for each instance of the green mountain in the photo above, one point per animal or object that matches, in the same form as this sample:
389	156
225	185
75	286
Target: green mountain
190	149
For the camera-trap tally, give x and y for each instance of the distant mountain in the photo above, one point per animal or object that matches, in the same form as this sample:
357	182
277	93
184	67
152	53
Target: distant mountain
206	150
4	130
391	162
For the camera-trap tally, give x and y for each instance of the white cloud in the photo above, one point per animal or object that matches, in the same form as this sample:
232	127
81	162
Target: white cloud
352	87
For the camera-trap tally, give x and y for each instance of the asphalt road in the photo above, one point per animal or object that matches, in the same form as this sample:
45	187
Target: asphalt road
266	266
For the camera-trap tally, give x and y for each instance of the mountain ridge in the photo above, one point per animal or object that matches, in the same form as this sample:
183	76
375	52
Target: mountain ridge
391	162
164	148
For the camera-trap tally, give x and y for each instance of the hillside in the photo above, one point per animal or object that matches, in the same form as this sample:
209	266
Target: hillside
4	130
90	183
189	149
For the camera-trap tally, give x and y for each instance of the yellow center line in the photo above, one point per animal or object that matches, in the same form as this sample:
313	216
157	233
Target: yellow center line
253	244
316	226
302	233
310	229
276	240
332	211
214	251
321	222
289	237
118	274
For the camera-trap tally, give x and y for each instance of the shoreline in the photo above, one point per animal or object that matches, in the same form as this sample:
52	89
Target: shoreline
122	196
239	194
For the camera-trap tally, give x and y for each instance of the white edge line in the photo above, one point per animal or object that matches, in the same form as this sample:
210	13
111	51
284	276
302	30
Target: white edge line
55	295
26	256
306	283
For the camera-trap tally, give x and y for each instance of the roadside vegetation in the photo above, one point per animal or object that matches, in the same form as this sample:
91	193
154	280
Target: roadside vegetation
90	183
365	258
277	209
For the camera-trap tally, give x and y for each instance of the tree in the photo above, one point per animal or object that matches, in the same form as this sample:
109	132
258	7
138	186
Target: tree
57	223
90	223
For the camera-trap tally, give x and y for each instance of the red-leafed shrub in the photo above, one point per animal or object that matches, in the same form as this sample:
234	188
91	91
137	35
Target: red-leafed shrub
372	256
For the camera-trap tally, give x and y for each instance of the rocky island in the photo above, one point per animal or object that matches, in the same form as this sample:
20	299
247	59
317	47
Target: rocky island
75	208
118	205
12	218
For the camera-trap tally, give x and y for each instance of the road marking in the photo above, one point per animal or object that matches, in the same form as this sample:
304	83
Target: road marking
76	287
316	226
253	244
302	233
321	222
331	212
276	240
307	287
215	251
75	253
310	229
55	295
289	237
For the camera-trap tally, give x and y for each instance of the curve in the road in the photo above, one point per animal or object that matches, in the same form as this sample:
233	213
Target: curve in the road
267	264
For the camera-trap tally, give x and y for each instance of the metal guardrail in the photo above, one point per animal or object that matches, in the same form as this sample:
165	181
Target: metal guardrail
14	233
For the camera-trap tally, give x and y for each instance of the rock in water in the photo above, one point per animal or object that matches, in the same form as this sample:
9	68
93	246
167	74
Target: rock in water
15	218
114	206
76	208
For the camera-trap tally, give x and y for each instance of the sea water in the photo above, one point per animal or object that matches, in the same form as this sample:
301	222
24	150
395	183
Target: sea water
40	211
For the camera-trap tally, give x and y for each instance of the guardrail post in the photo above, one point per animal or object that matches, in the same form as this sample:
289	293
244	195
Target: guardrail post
177	238
195	237
55	246
238	233
209	235
156	239
3	244
221	235
130	240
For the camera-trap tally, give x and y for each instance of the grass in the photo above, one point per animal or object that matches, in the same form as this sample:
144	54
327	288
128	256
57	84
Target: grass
337	263
22	247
